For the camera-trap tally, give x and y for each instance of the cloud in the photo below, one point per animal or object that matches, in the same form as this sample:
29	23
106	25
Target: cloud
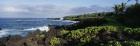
32	11
80	10
13	9
45	11
89	9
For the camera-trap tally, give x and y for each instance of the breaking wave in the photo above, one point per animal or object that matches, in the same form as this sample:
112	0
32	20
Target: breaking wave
24	32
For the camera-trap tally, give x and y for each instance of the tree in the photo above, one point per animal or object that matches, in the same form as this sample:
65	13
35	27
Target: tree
132	15
119	9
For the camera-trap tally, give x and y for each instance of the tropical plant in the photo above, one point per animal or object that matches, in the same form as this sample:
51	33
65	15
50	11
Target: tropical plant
131	43
54	41
119	8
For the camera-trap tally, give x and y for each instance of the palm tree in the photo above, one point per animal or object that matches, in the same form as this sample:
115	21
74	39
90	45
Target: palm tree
119	9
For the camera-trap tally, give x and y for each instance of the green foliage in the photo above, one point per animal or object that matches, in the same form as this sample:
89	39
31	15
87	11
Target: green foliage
90	31
79	17
119	8
40	35
117	43
63	32
85	39
132	30
113	43
54	41
75	34
131	43
91	35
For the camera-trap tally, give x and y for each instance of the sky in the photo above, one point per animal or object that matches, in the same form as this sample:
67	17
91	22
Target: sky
53	8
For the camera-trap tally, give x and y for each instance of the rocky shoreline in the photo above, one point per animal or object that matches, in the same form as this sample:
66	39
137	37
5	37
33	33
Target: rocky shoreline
37	38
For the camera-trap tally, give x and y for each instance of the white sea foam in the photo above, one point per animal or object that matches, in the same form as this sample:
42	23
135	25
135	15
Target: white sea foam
3	33
43	28
6	32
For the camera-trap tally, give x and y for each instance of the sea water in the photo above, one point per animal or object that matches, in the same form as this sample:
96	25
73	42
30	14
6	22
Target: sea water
21	26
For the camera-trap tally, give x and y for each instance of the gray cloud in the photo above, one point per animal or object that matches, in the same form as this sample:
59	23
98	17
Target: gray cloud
46	11
90	9
32	11
79	10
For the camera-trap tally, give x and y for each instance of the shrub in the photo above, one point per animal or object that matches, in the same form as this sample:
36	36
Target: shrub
131	43
54	41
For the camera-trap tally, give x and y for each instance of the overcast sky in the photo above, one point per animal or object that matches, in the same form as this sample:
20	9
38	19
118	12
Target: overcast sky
53	8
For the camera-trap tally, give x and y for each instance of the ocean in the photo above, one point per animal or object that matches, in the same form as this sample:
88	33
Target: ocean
21	26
